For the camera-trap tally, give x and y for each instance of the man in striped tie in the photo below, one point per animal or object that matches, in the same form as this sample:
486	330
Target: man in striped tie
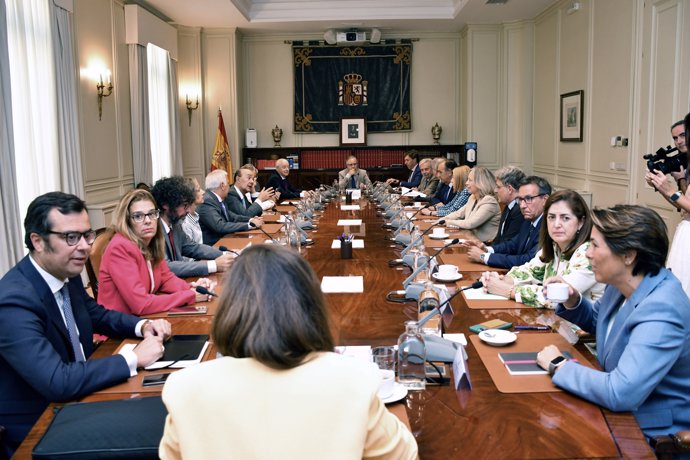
352	176
48	321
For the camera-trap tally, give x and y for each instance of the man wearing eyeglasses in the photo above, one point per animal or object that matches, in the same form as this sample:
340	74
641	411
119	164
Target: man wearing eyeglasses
48	320
531	197
185	257
353	177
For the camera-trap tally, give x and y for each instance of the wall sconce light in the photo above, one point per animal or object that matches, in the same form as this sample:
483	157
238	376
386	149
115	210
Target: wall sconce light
104	90
191	107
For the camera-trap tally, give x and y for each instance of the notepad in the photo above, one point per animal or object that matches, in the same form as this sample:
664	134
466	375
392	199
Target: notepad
345	222
181	351
479	294
350	207
346	284
525	363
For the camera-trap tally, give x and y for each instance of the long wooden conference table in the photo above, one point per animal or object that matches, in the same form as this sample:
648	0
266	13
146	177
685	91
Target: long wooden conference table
475	423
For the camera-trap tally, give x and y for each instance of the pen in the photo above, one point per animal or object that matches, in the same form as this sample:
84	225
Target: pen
532	328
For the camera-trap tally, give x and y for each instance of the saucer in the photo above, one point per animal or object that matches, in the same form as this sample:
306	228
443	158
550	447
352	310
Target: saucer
439	237
399	392
455	277
497	337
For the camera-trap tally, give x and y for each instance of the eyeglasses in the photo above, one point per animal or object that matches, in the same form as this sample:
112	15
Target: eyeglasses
140	216
73	238
352	164
528	199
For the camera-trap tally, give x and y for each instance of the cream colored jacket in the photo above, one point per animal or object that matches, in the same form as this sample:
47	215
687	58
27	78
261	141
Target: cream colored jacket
233	408
481	217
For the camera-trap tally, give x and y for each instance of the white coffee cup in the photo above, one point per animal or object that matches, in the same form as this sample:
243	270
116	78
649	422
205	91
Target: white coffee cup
387	383
557	292
439	231
447	271
417	204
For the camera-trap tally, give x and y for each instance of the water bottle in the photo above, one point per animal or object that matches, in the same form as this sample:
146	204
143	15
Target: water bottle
420	260
428	302
411	358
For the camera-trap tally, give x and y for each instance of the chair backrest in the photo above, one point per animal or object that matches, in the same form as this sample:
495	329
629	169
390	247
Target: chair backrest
667	447
93	263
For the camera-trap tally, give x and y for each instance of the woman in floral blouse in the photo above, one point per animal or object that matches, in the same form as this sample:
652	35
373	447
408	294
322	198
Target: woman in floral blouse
564	239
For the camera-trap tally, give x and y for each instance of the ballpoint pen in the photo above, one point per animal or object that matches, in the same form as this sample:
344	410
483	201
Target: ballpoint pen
532	328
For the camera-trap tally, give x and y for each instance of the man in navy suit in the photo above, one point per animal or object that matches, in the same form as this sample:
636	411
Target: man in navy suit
238	200
444	193
279	182
508	179
532	196
411	161
47	321
185	257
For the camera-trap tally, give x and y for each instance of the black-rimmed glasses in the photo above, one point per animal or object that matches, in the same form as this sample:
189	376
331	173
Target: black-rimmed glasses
528	199
73	238
139	217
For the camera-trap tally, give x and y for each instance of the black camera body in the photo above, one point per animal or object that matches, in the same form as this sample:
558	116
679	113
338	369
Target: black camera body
661	161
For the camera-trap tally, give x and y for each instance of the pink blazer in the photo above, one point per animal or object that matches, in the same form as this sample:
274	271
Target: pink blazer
125	283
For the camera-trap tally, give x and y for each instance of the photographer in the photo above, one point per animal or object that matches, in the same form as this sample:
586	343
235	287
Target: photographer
676	261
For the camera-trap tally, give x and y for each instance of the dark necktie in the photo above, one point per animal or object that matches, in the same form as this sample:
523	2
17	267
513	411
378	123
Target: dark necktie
70	324
225	211
528	240
353	182
445	200
172	244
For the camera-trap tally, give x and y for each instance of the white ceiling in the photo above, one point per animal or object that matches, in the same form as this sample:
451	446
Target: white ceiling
391	16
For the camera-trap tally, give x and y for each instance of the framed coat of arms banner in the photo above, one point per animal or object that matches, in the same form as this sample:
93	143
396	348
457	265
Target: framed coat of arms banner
337	82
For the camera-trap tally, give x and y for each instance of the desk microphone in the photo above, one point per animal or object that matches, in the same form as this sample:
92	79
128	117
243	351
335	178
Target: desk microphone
410	246
252	224
205	291
225	249
428	261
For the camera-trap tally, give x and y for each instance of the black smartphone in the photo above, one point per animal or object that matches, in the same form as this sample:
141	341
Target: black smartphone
154	379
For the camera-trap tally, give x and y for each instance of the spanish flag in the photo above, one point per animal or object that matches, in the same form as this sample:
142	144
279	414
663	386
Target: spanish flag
220	158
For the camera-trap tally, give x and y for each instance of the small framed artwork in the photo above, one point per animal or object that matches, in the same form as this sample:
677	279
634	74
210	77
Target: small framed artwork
571	116
353	131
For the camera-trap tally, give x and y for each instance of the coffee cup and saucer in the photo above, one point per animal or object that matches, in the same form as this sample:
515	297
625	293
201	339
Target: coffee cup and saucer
438	234
447	273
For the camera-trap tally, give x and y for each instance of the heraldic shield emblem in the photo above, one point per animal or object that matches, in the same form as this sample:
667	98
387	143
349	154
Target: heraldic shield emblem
352	90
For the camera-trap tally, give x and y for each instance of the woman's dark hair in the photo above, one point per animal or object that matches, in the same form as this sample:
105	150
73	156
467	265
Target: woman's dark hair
272	309
634	228
579	208
37	221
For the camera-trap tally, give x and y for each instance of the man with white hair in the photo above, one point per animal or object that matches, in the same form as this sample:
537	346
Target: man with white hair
215	219
278	181
429	182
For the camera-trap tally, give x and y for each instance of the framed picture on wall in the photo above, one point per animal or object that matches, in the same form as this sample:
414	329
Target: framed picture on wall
571	116
353	131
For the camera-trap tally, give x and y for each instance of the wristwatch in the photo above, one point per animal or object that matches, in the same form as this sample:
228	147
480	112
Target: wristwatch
555	363
483	256
675	197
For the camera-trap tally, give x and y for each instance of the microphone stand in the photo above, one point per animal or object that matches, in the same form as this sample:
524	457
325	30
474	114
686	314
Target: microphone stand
424	265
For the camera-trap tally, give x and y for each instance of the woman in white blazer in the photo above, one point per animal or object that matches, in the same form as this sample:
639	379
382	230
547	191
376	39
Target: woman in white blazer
279	391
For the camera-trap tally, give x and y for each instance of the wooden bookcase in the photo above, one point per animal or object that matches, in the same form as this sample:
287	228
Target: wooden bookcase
312	166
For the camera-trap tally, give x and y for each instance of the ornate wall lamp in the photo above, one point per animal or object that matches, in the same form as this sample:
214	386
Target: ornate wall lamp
104	90
191	107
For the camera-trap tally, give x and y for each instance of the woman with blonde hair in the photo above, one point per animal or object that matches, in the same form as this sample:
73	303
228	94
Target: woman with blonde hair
273	331
482	214
460	175
134	277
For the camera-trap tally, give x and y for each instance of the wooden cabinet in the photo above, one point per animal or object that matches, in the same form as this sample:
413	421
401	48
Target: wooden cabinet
312	166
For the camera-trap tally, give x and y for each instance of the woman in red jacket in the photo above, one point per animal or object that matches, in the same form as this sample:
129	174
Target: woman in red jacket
134	277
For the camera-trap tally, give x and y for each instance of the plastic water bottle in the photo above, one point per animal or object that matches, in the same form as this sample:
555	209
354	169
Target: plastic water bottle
428	302
411	358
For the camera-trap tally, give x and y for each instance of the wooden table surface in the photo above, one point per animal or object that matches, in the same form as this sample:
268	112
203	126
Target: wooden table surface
448	424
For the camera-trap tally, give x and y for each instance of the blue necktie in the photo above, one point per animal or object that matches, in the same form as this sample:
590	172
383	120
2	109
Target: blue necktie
353	183
225	211
71	326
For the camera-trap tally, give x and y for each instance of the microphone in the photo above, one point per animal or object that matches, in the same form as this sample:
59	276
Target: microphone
423	266
437	310
407	249
252	224
225	249
205	291
438	348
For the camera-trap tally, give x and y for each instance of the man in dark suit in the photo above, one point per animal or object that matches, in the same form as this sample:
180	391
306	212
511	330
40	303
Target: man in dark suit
47	321
411	161
508	179
238	200
215	219
185	257
278	181
444	193
532	196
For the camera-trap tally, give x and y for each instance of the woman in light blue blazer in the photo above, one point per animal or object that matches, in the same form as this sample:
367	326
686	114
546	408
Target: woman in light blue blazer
642	325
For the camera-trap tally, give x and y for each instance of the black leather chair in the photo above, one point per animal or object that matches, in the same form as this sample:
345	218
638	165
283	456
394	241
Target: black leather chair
665	447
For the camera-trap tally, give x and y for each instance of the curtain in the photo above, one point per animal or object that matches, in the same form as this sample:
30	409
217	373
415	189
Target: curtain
175	136
159	111
67	121
10	218
138	81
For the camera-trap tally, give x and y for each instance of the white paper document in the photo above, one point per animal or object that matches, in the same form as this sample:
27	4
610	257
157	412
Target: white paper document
409	192
457	338
170	364
348	284
350	207
356	244
360	352
344	222
479	294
